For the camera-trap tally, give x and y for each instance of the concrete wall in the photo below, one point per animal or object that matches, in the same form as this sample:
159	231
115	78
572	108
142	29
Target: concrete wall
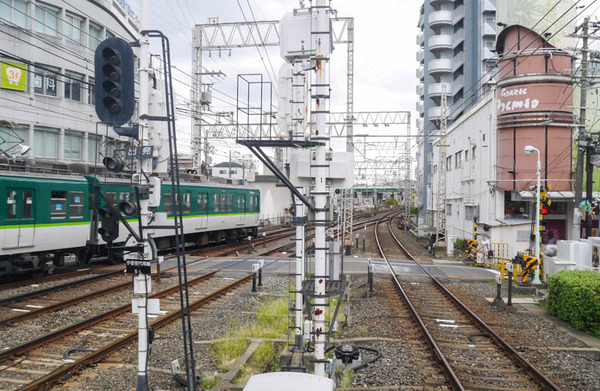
273	200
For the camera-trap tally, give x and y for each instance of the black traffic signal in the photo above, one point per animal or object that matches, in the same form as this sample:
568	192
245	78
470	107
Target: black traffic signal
113	164
110	224
191	171
115	93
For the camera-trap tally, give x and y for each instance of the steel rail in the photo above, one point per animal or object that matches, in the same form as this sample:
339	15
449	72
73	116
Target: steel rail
24	347
456	383
52	277
94	357
14	299
63	304
535	373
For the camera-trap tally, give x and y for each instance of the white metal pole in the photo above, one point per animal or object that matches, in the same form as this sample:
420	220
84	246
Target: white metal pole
142	282
536	279
299	273
321	42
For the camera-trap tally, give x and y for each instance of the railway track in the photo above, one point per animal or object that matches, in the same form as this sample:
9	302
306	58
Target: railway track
471	354
54	356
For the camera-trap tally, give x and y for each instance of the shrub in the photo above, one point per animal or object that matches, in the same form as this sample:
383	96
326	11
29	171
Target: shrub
390	202
574	296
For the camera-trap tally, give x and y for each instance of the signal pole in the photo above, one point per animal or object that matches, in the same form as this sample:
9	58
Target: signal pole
320	12
143	282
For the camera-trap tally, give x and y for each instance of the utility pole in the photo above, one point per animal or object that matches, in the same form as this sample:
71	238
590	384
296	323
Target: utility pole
441	209
583	145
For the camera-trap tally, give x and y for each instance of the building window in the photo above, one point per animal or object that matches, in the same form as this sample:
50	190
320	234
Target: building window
435	169
73	85
73	27
466	155
489	44
224	172
46	20
490	20
45	142
458	159
44	81
448	209
90	89
14	11
95	36
469	212
93	151
73	146
473	152
449	163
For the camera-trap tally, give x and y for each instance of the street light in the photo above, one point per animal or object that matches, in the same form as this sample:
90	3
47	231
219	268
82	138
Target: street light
529	149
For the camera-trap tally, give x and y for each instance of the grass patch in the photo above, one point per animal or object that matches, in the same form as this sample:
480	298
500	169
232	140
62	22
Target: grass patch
261	361
346	379
271	322
209	381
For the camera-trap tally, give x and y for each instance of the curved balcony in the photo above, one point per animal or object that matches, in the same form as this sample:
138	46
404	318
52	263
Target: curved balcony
434	113
436	3
440	18
438	42
435	89
442	65
458	37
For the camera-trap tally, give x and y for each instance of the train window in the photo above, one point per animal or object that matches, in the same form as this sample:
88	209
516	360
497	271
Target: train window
11	205
216	199
27	205
187	202
251	207
58	204
230	203
112	198
127	196
76	207
223	202
168	203
241	203
256	203
203	202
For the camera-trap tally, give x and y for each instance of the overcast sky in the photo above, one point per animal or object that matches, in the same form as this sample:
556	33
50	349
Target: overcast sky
385	50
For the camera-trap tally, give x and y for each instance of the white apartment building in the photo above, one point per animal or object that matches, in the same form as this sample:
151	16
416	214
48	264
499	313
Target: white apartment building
47	64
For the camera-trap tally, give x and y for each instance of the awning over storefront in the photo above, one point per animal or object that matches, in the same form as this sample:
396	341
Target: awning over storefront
553	195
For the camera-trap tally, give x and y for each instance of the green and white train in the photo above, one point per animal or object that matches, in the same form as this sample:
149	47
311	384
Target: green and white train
49	216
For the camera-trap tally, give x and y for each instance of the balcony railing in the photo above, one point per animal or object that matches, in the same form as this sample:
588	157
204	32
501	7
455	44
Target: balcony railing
441	65
440	42
438	18
435	89
458	37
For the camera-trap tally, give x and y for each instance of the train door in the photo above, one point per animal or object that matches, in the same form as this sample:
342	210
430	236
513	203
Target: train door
20	216
241	207
203	209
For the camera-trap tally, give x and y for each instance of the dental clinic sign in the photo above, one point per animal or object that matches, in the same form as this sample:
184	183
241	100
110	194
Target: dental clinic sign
13	76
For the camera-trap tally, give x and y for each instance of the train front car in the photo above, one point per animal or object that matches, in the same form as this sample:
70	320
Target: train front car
46	218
